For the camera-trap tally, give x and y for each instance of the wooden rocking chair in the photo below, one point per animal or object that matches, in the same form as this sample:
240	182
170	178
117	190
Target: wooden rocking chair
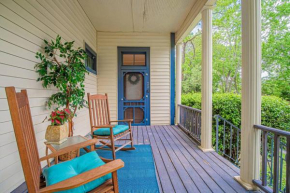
101	127
26	142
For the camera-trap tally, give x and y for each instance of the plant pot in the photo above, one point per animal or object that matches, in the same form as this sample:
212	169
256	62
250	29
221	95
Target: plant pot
68	156
56	134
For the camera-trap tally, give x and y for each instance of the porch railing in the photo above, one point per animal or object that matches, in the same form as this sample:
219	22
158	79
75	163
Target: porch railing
275	167
227	140
190	121
228	144
280	167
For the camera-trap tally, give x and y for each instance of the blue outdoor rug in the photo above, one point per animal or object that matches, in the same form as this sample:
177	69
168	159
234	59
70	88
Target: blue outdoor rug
138	174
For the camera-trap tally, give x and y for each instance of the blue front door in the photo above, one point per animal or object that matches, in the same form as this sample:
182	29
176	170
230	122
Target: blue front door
134	84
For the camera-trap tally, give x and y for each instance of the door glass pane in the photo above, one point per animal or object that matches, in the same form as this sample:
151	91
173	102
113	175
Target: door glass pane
139	115
139	60
128	59
134	59
133	86
128	113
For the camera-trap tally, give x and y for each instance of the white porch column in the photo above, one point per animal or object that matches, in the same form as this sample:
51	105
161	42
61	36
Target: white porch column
251	92
178	80
206	86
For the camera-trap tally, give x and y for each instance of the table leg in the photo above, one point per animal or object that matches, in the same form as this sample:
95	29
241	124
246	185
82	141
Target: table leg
46	152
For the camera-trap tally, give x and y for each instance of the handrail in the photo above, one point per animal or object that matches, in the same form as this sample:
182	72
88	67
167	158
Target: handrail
278	164
190	121
273	130
191	108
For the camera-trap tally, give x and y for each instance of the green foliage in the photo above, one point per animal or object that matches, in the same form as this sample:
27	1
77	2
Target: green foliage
59	117
275	111
191	68
63	67
275	48
227	50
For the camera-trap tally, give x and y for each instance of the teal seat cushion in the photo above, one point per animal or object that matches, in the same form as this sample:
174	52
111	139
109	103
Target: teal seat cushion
116	130
68	169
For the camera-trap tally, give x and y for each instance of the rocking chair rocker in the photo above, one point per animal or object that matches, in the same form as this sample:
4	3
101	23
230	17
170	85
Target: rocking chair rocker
101	127
88	173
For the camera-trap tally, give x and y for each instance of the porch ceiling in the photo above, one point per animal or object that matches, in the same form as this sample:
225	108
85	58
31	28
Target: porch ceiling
137	15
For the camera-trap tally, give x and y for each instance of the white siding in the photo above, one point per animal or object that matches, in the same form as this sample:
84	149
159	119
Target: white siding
159	70
23	26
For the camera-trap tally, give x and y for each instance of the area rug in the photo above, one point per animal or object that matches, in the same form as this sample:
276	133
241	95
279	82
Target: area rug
138	175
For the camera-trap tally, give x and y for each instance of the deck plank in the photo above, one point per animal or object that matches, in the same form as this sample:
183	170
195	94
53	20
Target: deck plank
225	161
135	134
202	176
225	181
181	166
189	145
163	175
186	172
222	165
173	173
140	135
157	176
145	135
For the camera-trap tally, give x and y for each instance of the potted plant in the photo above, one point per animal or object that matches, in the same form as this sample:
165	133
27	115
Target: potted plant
63	67
57	132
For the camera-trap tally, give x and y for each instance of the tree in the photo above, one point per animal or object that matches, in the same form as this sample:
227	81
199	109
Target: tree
191	79
227	50
275	48
63	67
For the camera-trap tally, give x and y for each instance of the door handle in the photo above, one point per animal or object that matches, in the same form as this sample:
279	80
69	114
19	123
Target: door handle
148	88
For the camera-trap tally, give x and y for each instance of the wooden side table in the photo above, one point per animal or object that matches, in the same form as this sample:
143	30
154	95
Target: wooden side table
70	141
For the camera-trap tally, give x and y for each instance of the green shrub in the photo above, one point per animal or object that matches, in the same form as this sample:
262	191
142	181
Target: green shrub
275	111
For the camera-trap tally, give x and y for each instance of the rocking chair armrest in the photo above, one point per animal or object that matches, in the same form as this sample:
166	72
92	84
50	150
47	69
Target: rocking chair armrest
102	126
85	177
125	120
69	149
106	160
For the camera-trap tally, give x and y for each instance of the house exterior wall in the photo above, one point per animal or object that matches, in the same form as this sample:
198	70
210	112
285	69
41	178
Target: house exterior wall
23	26
107	43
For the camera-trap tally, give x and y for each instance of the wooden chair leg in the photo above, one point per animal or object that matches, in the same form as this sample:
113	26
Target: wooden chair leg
115	182
93	147
131	136
113	146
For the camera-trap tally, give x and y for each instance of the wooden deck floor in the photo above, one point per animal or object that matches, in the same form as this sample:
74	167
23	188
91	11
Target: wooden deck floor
182	167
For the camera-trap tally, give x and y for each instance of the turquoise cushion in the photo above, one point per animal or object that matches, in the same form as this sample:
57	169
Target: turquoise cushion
116	130
68	169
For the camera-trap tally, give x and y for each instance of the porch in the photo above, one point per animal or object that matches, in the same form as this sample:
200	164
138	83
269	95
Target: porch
180	165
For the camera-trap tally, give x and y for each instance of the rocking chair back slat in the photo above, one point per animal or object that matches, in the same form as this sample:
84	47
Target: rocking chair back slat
25	137
99	109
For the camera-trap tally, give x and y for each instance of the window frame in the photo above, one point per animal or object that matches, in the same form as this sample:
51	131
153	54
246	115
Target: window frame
89	51
133	50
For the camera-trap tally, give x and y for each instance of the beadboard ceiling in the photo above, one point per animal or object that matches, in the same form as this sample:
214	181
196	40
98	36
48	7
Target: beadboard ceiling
137	15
